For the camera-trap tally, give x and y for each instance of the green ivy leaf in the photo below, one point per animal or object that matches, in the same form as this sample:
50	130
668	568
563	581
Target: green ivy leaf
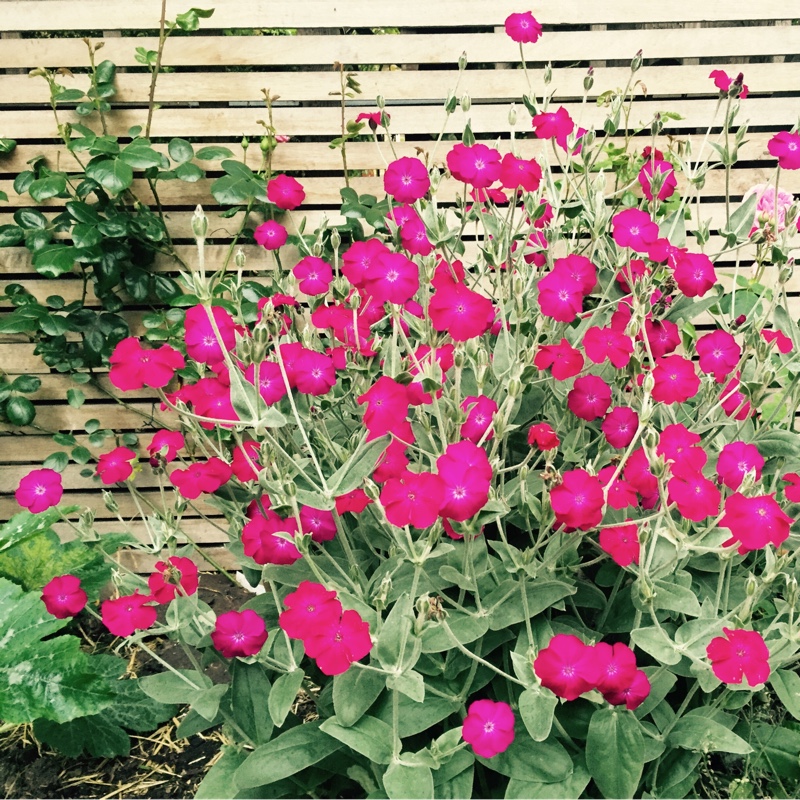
45	188
57	461
20	411
27	384
189	173
75	397
54	260
113	174
213	153
11	235
180	151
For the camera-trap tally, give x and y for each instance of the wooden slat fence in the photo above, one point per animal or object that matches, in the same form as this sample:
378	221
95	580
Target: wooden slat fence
213	94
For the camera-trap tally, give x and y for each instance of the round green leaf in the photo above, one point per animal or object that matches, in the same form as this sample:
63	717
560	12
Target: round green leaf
10	235
113	174
180	151
20	411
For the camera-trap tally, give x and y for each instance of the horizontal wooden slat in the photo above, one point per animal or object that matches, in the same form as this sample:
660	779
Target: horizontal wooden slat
25	15
281	51
197	530
402	84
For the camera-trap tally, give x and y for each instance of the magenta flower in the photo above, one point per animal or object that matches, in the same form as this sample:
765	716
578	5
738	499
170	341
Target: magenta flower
127	614
392	278
523	28
270	235
461	312
63	596
662	336
373	118
317	522
133	367
618	666
115	466
633	228
166	444
677	444
310	607
414	238
578	500
263	546
314	275
413	499
480	413
563	360
719	354
637	473
675	380
201	340
782	341
387	404
271	385
792	492
488	726
621	542
723	82
606	343
354	502
285	192
175	572
666	174
336	645
357	259
520	173
556	125
694	273
314	373
239	633
201	477
589	397
631	696
245	463
580	269
739	654
620	426
467	475
39	490
568	667
696	496
560	296
406	179
542	436
478	165
755	522
736	459
734	402
785	147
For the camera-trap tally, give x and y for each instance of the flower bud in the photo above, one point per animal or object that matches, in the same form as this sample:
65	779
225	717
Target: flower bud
372	491
239	258
466	102
588	80
750	585
290	488
786	273
199	223
451	102
380	102
514	388
462	61
109	502
266	144
512	115
548	73
648	384
336	239
637	62
245	143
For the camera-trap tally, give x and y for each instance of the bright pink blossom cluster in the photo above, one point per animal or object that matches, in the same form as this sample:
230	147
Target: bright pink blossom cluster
333	637
488	727
739	654
570	668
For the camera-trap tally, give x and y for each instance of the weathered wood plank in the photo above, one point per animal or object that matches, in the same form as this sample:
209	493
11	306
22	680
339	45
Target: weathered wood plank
281	51
28	15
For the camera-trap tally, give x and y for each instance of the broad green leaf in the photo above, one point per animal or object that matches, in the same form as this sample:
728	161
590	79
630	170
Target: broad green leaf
25	524
415	717
543	762
250	693
180	150
283	694
410	683
505	604
113	174
54	260
655	642
57	461
674	597
786	684
465	627
287	754
11	235
537	709
189	173
354	692
369	736
168	687
75	397
407	781
396	638
360	464
218	781
569	788
615	752
704	735
741	220
38	559
213	153
773	443
775	749
20	411
43	678
206	703
45	188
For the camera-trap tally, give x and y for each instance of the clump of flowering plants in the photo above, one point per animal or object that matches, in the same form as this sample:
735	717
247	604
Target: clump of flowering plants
516	474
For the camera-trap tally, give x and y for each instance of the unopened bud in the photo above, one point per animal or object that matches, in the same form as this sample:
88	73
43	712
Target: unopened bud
110	503
290	488
336	239
649	382
266	144
458	359
548	72
512	115
514	388
466	103
239	258
786	273
750	585
451	102
245	143
637	62
199	223
650	438
588	80
462	61
380	101
372	491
